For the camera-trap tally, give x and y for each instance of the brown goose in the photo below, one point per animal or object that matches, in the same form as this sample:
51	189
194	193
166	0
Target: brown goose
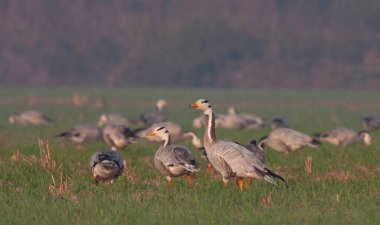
345	136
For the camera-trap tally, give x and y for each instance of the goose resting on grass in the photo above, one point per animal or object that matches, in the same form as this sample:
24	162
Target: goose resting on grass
116	119
287	140
176	134
157	115
106	166
81	134
345	136
118	136
228	158
172	160
250	121
30	118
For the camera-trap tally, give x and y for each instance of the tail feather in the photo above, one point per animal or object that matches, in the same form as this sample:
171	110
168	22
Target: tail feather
270	176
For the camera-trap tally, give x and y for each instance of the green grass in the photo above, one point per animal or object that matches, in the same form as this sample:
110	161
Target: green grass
142	196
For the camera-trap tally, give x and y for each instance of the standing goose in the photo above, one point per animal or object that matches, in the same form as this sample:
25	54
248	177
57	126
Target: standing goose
106	166
157	115
172	160
371	122
30	118
118	136
228	158
81	134
287	140
176	133
345	136
107	119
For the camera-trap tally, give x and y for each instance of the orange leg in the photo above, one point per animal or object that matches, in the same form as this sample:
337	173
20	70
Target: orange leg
225	183
209	168
169	182
241	182
189	180
95	179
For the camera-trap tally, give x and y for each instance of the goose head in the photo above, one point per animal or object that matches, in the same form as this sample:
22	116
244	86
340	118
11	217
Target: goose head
367	139
161	132
103	120
161	103
12	119
202	104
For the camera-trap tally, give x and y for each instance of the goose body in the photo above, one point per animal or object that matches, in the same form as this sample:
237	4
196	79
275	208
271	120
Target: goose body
116	119
228	158
256	149
157	115
106	166
371	122
81	134
176	133
249	121
287	140
172	160
345	136
30	118
118	136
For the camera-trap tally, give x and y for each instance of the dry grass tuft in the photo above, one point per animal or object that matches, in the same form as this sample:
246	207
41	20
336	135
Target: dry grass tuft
46	160
130	173
309	165
267	200
62	188
337	198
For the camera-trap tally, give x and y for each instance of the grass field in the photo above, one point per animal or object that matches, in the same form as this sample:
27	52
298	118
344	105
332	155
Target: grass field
343	189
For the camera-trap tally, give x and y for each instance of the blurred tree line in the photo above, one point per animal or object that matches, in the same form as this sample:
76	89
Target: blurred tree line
245	43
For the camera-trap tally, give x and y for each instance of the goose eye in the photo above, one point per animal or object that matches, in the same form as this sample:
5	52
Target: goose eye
205	101
160	128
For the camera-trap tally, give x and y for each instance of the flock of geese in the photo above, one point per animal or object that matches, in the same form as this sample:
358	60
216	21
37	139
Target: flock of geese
230	159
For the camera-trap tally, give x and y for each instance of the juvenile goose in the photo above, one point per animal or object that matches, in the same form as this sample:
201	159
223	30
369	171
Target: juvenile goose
106	119
176	134
228	158
30	118
287	140
279	122
118	136
157	115
172	160
371	122
81	134
345	136
106	166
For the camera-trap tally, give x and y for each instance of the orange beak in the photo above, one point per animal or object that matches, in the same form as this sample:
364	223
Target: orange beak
194	106
150	133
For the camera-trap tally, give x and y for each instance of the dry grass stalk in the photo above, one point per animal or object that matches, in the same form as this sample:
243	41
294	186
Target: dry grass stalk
62	188
337	198
267	200
309	165
46	160
129	173
16	156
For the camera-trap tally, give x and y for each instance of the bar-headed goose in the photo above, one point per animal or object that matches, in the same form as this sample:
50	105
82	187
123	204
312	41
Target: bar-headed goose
345	136
30	118
371	122
157	115
287	140
106	166
176	134
118	136
172	160
116	119
279	122
81	134
250	121
229	158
